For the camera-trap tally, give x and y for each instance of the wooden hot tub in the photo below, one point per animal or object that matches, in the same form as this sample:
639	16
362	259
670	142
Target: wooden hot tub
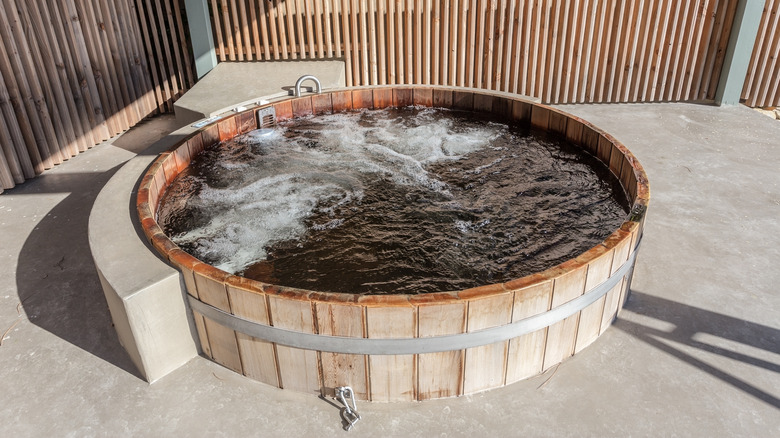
406	347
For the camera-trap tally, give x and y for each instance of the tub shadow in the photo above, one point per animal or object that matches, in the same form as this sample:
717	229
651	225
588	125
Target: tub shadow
688	322
56	278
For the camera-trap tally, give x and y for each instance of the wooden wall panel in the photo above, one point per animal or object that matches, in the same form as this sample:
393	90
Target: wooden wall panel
74	73
762	85
561	51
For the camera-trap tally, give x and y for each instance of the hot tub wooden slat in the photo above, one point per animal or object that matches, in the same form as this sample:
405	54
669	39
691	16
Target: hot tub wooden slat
441	374
486	365
298	369
212	292
222	341
210	135
158	185
403	97
246	122
616	161
195	145
322	104
392	378
622	251
483	103
227	128
591	316
526	353
383	98
200	326
342	369
503	107
604	150
302	107
590	139
463	100
611	301
182	157
574	131
342	101
558	123
363	98
258	357
540	117
423	96
561	335
283	110
442	98
521	111
223	346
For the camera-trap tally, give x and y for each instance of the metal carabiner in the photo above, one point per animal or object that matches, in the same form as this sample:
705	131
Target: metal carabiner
348	413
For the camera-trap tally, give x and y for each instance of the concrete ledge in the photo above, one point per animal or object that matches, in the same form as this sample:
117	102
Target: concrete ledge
232	84
146	296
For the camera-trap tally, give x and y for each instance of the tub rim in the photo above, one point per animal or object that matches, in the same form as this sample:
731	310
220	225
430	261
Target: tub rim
629	230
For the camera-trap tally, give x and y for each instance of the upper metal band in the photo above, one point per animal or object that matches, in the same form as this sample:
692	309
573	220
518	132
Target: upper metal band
432	344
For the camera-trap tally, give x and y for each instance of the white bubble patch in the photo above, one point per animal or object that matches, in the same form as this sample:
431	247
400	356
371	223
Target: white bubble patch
267	184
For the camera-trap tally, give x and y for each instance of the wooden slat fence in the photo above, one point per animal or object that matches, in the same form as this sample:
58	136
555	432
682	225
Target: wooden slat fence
762	85
561	51
74	73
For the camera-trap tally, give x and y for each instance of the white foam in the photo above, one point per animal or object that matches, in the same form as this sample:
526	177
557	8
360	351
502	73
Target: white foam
273	195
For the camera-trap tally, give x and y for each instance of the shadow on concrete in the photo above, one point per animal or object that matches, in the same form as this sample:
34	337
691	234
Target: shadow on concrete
56	278
691	321
144	133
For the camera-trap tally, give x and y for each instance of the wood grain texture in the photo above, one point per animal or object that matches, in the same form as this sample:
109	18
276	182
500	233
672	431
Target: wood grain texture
342	369
599	270
393	378
526	352
762	87
441	374
258	357
556	50
562	335
485	366
223	345
75	73
298	369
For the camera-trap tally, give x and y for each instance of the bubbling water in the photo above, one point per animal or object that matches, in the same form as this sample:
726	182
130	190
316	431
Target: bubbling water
407	200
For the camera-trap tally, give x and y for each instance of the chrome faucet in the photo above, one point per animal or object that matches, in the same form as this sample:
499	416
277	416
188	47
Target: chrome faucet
300	80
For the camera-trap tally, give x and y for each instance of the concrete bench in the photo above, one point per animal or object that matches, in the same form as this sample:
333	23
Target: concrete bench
145	295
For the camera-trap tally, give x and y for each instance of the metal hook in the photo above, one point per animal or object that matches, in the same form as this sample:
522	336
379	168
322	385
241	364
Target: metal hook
348	413
300	80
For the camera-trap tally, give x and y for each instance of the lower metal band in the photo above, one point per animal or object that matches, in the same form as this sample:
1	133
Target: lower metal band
433	344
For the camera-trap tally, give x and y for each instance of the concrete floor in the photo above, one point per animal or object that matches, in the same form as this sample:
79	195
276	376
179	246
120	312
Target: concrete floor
695	353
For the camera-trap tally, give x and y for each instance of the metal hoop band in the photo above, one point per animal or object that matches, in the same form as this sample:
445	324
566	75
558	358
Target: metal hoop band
433	344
